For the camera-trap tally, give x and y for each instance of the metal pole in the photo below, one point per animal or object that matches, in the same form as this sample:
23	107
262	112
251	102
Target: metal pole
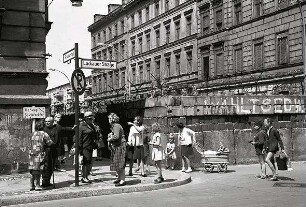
76	118
303	46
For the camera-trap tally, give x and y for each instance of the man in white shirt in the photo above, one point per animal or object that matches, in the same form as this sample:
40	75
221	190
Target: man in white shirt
186	139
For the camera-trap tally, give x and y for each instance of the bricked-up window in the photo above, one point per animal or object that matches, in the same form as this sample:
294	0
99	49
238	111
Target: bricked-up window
238	11
115	30
141	79
283	3
168	65
148	71
104	82
282	49
258	8
132	21
157	68
167	27
110	32
177	29
205	19
110	85
218	14
238	60
178	64
122	77
157	35
188	25
147	13
205	63
148	41
258	54
122	26
140	44
156	8
133	75
189	60
167	5
133	47
140	17
116	81
219	59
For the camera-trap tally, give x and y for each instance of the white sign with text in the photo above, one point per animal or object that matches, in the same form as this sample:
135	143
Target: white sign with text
34	112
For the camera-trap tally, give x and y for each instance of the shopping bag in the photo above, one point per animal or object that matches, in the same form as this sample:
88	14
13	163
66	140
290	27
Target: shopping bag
281	163
95	153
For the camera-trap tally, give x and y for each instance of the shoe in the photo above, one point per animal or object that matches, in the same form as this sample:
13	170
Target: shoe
84	180
188	170
162	179
167	167
144	175
92	174
61	170
130	174
120	184
290	169
38	188
274	179
158	180
183	170
116	181
263	177
33	188
172	168
137	169
46	185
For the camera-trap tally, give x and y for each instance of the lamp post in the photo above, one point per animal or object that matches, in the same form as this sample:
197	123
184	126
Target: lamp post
53	69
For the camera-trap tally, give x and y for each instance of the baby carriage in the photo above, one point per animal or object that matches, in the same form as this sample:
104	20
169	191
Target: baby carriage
212	159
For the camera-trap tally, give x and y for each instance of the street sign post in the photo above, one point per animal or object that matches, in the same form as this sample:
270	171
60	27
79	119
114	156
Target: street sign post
67	56
98	64
78	81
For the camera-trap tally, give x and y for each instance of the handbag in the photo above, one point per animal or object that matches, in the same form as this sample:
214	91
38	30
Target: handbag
281	161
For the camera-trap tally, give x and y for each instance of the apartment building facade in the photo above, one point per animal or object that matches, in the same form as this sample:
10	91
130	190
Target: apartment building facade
155	44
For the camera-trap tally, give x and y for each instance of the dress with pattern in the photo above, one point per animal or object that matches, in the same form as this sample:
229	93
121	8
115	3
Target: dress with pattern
39	141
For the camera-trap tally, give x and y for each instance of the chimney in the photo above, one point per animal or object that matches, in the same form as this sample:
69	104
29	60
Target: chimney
112	7
97	17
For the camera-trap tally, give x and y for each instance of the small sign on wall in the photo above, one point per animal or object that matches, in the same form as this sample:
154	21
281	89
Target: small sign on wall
34	112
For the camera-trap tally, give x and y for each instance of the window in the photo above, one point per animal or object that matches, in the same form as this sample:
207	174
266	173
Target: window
148	71
178	64
283	3
148	41
168	65
93	41
177	30
104	55
156	8
188	25
157	34
282	49
238	59
167	27
122	78
110	52
140	17
122	50
104	82
147	13
167	5
116	51
189	60
110	85
99	55
94	85
218	14
205	64
258	54
219	60
99	37
110	33
176	2
141	79
116	81
132	21
133	47
122	26
104	36
115	30
133	75
157	68
237	12
205	19
100	85
258	8
140	44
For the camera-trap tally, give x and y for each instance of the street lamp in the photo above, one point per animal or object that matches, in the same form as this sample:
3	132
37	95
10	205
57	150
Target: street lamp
53	69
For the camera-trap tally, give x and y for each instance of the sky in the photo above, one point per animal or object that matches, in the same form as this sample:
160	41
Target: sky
70	26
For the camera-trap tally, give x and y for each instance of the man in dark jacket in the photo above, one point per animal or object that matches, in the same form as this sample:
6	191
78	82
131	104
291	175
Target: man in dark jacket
271	145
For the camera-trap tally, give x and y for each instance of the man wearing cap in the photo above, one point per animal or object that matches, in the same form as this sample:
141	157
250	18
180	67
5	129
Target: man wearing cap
87	142
258	142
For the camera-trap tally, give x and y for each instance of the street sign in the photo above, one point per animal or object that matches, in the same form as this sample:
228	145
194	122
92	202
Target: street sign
68	55
98	64
34	112
78	81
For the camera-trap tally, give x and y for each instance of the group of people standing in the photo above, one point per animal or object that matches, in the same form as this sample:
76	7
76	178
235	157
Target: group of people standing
267	142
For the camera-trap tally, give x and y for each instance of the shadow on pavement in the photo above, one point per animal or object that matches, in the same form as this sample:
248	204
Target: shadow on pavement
290	185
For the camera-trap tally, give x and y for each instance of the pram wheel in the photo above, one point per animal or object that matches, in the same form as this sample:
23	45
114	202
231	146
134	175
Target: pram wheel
208	168
222	167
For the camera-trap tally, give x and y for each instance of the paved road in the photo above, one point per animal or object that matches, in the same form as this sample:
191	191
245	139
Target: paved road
238	187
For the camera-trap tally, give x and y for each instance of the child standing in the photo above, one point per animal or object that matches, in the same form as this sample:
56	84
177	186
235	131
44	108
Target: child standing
170	154
157	152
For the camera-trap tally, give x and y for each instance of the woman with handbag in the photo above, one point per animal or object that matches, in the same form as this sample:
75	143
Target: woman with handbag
117	145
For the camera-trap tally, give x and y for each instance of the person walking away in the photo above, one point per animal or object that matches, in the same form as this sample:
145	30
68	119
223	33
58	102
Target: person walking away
87	139
170	152
258	142
39	141
186	139
157	152
136	140
117	145
271	145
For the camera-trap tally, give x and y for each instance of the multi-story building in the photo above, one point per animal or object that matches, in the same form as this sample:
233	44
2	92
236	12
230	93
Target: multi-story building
250	47
154	42
62	98
23	29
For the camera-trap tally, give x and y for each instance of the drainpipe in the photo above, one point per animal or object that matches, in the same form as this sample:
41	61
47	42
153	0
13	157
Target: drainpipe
303	45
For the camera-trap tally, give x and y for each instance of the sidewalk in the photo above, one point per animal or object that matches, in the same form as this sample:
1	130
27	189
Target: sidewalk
15	189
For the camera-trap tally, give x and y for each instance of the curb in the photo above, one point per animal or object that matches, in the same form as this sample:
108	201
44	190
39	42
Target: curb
78	193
